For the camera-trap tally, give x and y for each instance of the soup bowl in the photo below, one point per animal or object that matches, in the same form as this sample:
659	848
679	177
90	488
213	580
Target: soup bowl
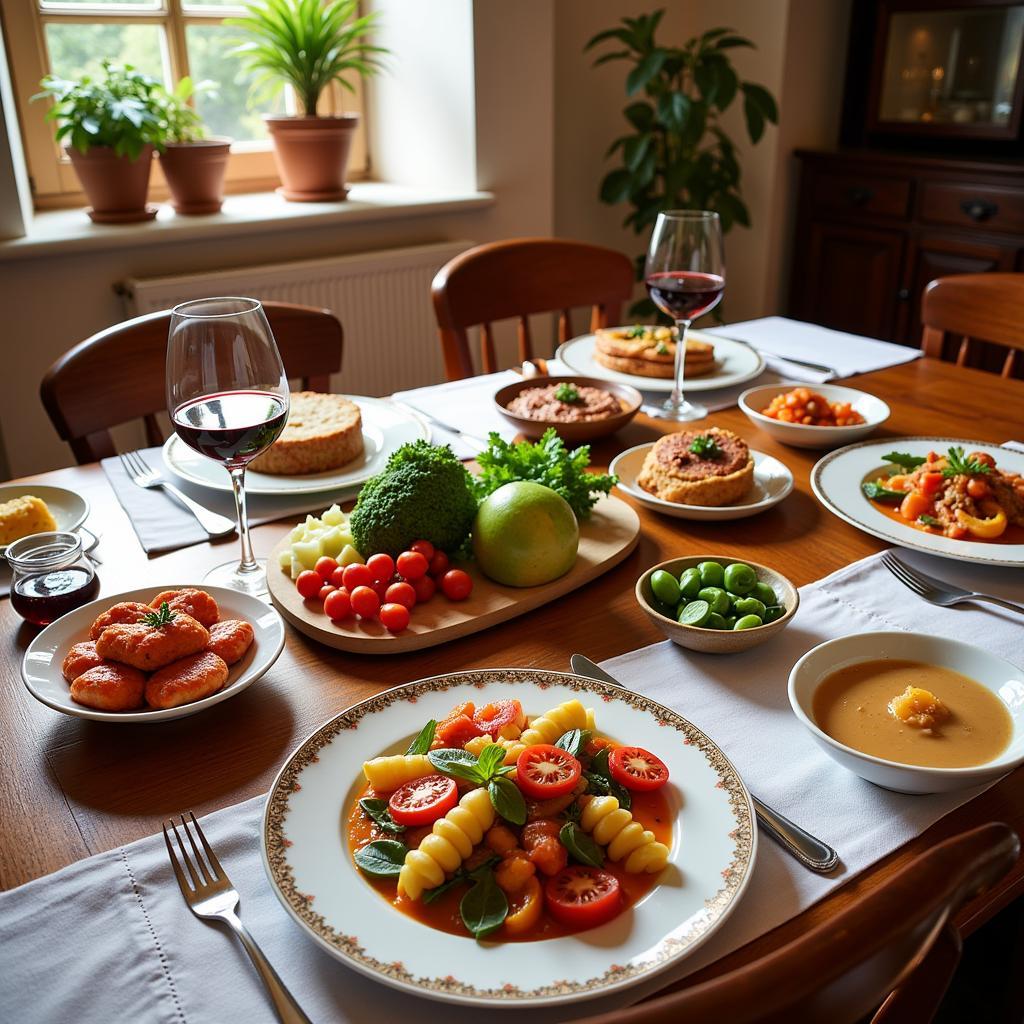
1004	680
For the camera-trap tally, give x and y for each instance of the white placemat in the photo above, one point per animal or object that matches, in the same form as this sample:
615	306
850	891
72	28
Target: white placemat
110	939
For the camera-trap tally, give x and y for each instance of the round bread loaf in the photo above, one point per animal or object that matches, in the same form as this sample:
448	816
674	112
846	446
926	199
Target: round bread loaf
323	432
674	471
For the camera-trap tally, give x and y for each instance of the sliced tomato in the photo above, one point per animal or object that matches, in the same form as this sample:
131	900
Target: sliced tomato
636	768
583	897
544	771
503	718
459	728
423	801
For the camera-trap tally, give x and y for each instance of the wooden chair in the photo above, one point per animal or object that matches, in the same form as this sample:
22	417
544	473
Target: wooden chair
962	310
894	951
117	375
517	278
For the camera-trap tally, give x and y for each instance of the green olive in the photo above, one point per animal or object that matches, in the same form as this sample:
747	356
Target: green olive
750	606
689	582
748	622
711	574
694	613
740	578
764	594
717	598
773	612
716	621
664	587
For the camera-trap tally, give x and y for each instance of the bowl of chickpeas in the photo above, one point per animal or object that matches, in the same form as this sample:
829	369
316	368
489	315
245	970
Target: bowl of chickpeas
813	416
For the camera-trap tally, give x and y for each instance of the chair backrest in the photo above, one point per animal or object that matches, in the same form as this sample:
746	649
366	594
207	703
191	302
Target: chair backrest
961	310
517	278
117	375
896	941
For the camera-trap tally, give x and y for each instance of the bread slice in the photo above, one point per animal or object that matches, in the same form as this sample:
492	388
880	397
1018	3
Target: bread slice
323	432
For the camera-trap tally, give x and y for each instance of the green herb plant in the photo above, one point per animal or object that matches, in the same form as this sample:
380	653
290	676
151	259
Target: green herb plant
307	44
957	464
677	155
183	123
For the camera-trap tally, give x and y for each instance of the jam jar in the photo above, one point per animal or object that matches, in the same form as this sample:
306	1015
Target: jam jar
51	576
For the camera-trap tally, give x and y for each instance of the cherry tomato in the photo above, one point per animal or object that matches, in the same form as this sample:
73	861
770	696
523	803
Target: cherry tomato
456	585
338	605
325	566
499	716
325	590
544	771
356	575
394	617
977	487
401	593
338	576
984	458
438	564
423	801
308	583
931	483
637	769
425	588
381	567
411	565
459	727
424	547
582	897
365	602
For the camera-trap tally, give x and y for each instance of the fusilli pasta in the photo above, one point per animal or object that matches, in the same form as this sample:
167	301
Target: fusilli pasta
388	773
627	840
570	714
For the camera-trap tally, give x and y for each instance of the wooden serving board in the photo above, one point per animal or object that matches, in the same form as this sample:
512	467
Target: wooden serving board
606	539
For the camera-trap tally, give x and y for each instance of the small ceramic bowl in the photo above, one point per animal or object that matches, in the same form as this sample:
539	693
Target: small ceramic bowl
717	641
799	435
1005	680
583	430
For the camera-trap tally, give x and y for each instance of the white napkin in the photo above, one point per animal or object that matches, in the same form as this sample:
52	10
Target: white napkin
109	938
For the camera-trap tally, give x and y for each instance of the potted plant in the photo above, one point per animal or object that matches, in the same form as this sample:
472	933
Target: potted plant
308	44
112	124
193	164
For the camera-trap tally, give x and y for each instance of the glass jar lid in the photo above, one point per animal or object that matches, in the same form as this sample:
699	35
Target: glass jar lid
52	550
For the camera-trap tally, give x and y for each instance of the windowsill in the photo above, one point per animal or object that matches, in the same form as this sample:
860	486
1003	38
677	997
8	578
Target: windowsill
60	232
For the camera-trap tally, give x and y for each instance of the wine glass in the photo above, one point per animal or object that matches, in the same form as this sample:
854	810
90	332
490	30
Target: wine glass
227	395
685	277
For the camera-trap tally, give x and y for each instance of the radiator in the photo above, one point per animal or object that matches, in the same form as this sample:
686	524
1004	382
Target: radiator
382	299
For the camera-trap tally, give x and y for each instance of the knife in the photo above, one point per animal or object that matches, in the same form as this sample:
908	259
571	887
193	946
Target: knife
809	850
471	439
820	367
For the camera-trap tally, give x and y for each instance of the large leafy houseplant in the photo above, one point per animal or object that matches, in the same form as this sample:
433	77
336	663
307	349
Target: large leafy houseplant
677	155
308	45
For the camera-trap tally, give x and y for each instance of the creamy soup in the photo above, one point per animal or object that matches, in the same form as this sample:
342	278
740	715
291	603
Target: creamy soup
913	712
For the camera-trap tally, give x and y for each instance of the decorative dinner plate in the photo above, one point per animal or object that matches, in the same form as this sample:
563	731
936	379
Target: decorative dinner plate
735	363
41	666
386	426
836	481
772	482
312	871
69	509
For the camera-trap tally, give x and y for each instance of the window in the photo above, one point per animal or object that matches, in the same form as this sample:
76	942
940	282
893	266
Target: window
167	39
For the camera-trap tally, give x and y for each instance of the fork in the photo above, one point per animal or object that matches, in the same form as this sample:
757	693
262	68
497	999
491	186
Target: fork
210	895
143	475
937	591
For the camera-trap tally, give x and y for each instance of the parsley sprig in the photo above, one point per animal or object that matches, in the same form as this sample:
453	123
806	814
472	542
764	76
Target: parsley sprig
162	617
957	464
704	446
567	393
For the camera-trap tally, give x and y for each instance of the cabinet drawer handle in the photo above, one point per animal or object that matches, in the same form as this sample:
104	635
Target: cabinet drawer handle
860	196
979	209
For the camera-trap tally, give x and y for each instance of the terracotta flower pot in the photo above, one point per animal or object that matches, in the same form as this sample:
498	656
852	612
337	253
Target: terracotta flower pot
115	186
312	155
195	174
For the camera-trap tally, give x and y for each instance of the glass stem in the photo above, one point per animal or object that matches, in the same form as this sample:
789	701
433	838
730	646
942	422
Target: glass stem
248	562
678	399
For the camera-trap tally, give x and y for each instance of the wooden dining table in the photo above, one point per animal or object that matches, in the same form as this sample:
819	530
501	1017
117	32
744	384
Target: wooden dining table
71	788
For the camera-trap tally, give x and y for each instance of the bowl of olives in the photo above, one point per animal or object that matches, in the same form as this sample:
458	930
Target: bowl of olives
716	604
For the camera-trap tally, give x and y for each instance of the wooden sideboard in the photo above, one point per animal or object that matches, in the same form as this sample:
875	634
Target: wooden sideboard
873	228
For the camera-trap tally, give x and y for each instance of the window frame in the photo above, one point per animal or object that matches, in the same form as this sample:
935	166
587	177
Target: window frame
251	167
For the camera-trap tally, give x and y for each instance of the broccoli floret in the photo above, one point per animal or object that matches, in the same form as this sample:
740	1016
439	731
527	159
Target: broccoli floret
424	493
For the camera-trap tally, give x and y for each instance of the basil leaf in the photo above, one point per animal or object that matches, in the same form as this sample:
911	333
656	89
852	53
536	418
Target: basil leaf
580	846
492	757
382	858
621	794
599	762
484	908
599	780
905	460
421	744
926	520
377	810
878	492
573	741
481	869
507	800
459	763
430	895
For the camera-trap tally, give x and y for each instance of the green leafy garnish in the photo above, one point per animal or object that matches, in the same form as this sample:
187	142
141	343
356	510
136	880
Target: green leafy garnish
636	331
573	741
879	492
382	858
600	781
704	447
908	462
163	617
580	846
487	770
567	393
508	800
484	908
927	520
547	462
377	811
461	877
959	465
421	744
661	349
460	764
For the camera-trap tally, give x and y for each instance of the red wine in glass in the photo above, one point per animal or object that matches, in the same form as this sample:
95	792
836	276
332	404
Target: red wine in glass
685	294
232	427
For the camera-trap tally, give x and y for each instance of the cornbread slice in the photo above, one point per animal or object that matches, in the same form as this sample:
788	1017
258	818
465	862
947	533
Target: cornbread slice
21	516
323	432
